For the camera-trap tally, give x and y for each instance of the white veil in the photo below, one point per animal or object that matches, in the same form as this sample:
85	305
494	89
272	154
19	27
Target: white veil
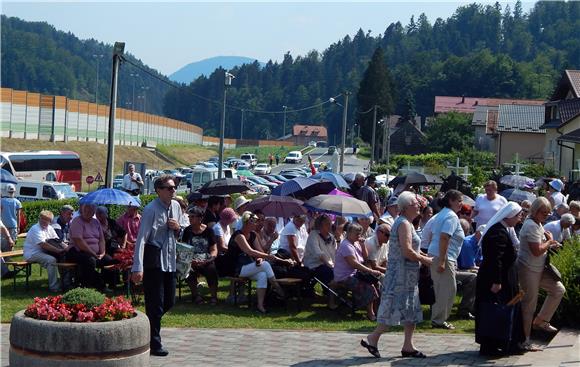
509	210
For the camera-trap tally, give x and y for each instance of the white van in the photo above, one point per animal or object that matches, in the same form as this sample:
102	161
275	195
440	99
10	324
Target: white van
201	175
294	157
38	190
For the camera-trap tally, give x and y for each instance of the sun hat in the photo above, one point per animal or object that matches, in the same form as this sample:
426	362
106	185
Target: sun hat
557	184
10	188
392	201
228	215
241	200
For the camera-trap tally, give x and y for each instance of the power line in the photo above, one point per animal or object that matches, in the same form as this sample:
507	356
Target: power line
171	84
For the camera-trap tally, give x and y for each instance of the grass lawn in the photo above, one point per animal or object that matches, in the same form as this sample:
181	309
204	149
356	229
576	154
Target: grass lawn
314	314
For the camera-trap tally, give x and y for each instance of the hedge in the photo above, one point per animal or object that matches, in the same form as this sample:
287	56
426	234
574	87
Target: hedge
567	260
32	209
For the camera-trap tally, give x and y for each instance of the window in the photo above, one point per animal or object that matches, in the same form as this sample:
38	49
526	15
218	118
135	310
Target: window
28	191
48	192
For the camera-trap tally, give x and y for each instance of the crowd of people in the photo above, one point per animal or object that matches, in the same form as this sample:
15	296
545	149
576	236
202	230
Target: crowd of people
491	250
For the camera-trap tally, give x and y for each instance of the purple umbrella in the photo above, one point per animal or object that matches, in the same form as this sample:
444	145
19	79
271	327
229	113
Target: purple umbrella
303	187
278	206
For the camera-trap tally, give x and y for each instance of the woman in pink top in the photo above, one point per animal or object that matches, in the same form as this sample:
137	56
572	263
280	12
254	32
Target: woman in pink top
88	248
351	274
130	222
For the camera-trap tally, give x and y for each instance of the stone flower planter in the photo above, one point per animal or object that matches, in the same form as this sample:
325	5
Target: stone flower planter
50	343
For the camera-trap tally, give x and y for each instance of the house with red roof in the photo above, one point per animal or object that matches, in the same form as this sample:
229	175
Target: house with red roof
302	135
562	124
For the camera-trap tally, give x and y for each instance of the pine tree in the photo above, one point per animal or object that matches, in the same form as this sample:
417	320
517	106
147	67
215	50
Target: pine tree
376	88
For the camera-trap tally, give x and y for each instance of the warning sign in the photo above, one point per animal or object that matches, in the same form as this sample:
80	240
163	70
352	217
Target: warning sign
98	178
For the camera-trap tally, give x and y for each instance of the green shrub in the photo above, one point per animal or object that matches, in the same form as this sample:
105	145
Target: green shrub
86	296
32	209
567	260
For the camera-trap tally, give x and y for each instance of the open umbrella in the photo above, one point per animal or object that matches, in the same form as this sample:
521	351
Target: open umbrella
339	193
517	181
398	180
7	177
518	195
468	201
110	196
224	186
305	187
336	179
418	179
339	205
278	206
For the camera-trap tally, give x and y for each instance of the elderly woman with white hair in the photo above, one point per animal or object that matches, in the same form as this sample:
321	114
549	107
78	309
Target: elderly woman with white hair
400	294
560	229
497	281
535	242
350	273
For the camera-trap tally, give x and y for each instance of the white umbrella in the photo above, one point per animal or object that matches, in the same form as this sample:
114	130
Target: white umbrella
339	205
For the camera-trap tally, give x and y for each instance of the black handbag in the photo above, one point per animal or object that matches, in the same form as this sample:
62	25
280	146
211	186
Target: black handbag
366	277
495	321
426	290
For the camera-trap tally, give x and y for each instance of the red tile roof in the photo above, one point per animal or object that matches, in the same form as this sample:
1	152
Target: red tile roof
468	104
309	130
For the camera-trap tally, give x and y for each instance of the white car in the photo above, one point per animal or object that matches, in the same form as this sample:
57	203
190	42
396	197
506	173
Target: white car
262	169
294	157
260	189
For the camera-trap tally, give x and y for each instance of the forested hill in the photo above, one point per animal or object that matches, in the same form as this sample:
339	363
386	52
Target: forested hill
38	58
482	50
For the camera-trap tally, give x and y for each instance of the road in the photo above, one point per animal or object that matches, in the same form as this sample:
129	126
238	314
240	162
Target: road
351	163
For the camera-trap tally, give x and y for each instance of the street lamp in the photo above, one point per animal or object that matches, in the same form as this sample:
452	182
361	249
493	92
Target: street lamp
344	117
118	51
98	57
242	125
147	130
227	83
284	125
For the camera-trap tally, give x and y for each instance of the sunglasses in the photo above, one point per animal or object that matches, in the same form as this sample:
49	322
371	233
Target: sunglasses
173	188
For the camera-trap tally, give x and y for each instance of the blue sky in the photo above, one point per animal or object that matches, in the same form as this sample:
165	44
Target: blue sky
169	35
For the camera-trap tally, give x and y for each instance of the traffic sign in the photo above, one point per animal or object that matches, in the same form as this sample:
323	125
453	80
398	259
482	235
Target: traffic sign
90	179
99	178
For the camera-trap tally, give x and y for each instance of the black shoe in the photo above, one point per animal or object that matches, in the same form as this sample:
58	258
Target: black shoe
413	354
466	316
444	325
487	351
159	352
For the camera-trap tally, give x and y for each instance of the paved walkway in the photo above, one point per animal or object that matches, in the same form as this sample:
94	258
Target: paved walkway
247	347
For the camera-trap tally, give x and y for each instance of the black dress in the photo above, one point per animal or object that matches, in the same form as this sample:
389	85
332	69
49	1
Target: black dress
498	267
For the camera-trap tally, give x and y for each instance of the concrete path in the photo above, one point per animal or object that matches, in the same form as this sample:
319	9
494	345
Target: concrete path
247	347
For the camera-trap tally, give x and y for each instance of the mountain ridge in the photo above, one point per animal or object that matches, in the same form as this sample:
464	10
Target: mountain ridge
193	70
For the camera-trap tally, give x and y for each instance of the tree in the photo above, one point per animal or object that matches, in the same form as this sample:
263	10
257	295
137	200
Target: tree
450	132
409	112
376	88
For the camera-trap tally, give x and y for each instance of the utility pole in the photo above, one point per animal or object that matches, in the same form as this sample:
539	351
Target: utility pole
98	57
373	136
344	118
227	84
284	125
242	126
117	55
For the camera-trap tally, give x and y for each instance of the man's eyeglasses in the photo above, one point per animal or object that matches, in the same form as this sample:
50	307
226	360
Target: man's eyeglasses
173	188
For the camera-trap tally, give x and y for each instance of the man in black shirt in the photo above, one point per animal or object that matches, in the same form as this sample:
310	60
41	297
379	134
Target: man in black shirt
215	205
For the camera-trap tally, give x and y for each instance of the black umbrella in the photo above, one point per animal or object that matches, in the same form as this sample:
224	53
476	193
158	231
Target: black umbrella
224	186
397	181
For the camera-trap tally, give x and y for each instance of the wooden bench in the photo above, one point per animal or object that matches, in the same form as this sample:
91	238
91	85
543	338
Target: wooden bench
239	283
11	253
294	285
18	267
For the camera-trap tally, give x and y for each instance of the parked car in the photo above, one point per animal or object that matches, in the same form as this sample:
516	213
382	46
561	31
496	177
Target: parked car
260	189
321	144
261	181
262	169
279	177
312	144
293	157
201	175
250	158
241	164
272	179
331	150
214	159
118	182
38	190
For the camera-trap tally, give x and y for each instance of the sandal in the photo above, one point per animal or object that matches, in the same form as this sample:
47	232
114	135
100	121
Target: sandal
371	348
413	354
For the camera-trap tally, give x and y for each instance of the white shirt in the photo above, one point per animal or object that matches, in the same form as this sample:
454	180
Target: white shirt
487	208
558	198
219	231
377	254
36	235
556	230
427	233
128	184
300	241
